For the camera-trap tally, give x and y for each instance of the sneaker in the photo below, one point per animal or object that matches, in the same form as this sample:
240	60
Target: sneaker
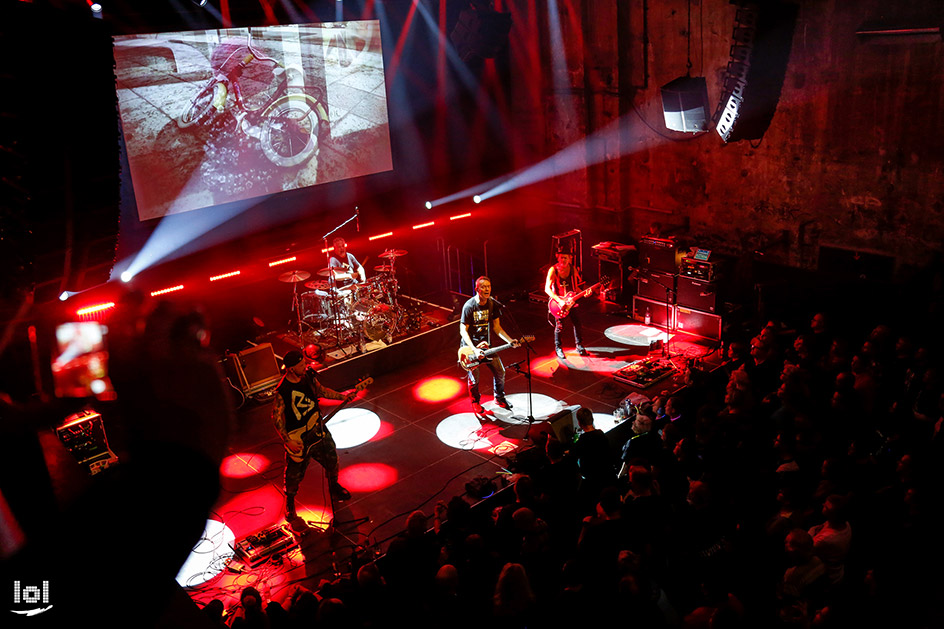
477	408
502	402
560	353
582	350
340	493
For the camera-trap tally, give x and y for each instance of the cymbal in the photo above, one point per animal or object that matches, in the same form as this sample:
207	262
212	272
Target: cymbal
338	273
317	285
384	268
390	254
294	276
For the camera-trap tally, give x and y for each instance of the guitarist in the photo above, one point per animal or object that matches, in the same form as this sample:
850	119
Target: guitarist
563	278
298	421
480	315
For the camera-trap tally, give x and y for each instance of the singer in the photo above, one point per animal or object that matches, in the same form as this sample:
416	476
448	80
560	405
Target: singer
480	315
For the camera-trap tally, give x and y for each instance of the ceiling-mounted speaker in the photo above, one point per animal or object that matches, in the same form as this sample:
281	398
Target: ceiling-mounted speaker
685	104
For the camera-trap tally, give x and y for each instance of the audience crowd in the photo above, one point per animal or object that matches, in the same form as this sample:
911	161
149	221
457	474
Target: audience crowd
794	486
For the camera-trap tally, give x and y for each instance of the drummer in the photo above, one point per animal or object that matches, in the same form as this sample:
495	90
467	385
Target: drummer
349	269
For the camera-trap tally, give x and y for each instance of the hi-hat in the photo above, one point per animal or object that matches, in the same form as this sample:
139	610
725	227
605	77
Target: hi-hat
294	276
390	254
384	268
317	285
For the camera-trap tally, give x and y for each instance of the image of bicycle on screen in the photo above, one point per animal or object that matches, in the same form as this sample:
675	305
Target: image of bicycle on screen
266	100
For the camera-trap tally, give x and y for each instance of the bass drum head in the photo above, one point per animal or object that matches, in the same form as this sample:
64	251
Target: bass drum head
378	322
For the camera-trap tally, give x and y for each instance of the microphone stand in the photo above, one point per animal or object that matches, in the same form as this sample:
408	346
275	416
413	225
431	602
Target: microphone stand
527	374
333	284
669	323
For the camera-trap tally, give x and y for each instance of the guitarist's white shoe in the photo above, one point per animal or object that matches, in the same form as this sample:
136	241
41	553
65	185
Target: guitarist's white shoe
502	402
560	353
582	350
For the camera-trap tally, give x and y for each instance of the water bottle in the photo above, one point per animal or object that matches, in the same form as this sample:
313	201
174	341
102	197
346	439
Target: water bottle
648	318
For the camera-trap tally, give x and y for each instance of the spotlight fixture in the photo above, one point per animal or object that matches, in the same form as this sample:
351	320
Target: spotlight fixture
126	276
477	199
429	205
199	3
64	295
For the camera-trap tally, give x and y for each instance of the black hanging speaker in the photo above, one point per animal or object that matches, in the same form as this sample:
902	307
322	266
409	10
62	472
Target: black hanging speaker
685	104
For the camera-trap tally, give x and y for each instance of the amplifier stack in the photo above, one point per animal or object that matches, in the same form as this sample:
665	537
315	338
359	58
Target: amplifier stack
681	295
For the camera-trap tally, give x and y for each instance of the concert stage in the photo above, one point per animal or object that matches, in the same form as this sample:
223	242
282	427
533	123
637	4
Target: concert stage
410	440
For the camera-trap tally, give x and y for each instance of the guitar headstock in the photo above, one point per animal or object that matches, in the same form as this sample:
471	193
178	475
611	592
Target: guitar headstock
363	383
528	338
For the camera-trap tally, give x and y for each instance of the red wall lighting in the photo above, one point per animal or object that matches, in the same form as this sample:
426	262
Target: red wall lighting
458	216
283	261
93	309
379	236
164	291
224	276
422	225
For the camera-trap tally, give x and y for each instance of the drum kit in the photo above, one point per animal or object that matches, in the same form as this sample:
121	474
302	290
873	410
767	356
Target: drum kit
337	310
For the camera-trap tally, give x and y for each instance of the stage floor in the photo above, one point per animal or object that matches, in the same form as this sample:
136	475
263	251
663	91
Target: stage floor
411	440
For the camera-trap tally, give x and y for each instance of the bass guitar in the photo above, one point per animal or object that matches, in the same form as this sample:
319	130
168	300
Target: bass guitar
560	311
312	434
470	357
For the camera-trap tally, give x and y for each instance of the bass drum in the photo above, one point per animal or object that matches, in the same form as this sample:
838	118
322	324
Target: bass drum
376	319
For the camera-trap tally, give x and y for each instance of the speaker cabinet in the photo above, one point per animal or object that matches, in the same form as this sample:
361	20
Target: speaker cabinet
698	323
253	369
657	254
653	286
661	315
685	104
697	294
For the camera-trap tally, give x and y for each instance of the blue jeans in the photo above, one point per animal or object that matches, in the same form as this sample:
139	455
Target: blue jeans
498	379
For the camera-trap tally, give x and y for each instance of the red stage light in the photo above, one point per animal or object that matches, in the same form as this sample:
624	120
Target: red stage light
283	261
93	309
224	275
379	236
422	225
243	465
458	216
164	291
368	477
437	389
327	250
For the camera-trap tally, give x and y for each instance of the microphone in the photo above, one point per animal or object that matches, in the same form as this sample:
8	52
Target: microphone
498	302
357	218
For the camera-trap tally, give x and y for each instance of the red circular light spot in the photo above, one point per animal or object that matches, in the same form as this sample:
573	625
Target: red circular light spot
368	477
437	389
243	465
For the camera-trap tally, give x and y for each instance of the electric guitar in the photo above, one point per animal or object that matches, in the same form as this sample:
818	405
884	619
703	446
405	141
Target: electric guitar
470	357
571	298
313	432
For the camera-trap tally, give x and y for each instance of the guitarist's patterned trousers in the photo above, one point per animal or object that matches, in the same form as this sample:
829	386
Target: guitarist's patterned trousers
324	452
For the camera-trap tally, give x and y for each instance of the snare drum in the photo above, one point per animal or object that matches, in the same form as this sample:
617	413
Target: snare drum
316	305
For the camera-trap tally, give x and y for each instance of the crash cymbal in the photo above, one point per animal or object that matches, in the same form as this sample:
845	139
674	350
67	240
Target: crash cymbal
294	276
391	254
384	268
317	285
